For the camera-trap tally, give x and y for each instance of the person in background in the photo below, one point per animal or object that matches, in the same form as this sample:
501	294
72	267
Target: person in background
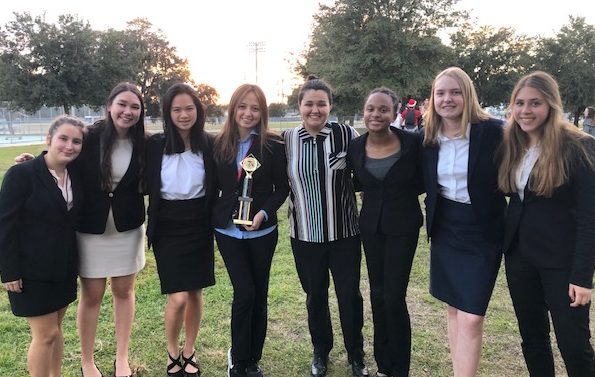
464	210
548	166
180	181
247	249
323	225
110	229
588	125
39	202
410	117
385	163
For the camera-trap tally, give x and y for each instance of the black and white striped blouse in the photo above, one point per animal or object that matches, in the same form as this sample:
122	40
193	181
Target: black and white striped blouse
321	201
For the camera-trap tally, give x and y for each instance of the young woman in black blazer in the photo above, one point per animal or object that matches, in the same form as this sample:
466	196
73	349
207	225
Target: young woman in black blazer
110	225
548	166
464	210
247	250
39	202
385	163
179	169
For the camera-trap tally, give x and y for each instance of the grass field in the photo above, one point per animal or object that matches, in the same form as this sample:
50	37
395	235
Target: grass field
287	350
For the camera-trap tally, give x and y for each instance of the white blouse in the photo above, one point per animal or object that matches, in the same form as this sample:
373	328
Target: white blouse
524	169
182	176
453	164
66	188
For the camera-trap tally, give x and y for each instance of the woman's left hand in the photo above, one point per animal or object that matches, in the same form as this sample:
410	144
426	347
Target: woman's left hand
256	221
15	286
578	295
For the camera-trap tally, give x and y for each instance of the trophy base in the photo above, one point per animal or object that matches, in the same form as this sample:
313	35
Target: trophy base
242	222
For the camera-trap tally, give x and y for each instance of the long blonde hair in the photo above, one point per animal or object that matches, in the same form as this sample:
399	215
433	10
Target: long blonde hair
472	111
560	142
226	143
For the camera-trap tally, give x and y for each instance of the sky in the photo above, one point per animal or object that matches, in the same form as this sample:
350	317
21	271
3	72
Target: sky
215	35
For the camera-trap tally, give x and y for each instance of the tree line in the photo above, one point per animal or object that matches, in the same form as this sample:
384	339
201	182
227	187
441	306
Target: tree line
357	45
68	64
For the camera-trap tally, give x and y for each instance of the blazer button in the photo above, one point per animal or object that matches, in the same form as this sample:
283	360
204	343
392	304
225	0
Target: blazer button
111	194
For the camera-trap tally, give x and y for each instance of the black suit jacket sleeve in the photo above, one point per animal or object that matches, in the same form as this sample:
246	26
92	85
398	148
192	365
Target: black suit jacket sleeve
583	264
15	190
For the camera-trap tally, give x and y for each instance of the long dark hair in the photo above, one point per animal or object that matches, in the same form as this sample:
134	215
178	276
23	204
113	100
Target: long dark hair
107	135
173	140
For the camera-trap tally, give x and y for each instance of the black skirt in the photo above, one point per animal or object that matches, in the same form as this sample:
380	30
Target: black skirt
183	246
42	297
463	264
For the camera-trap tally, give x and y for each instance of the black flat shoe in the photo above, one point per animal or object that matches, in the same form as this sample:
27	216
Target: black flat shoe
319	366
359	369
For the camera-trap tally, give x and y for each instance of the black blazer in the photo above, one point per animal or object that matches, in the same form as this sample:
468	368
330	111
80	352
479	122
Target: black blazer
390	206
482	179
557	232
37	239
126	200
154	151
269	185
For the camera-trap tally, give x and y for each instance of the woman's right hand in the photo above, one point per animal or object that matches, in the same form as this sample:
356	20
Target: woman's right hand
23	157
14	286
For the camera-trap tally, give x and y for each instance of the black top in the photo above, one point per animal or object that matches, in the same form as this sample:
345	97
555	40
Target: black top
482	179
126	200
391	205
269	184
558	232
37	239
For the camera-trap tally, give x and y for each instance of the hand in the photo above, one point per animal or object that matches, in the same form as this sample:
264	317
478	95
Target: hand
256	221
578	295
14	286
23	157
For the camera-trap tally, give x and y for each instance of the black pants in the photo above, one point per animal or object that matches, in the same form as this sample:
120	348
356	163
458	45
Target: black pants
389	260
248	263
343	258
534	292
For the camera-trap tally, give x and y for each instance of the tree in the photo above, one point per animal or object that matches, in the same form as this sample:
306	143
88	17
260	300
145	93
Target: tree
46	64
570	57
494	59
357	45
209	97
157	66
277	110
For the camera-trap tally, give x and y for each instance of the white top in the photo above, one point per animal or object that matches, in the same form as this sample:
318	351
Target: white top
66	189
453	165
182	176
524	169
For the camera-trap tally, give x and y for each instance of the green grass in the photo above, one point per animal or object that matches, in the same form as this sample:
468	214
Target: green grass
287	349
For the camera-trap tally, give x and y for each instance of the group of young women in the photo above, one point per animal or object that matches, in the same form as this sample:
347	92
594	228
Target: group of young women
466	163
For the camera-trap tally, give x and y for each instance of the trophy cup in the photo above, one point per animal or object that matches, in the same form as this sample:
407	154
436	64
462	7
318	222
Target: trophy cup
242	217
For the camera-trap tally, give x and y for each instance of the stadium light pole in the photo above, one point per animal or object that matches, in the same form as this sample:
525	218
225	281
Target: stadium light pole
256	47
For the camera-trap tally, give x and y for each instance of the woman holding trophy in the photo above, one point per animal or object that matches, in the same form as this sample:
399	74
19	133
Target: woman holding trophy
252	179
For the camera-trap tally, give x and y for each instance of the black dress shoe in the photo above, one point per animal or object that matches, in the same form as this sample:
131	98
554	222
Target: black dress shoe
319	365
359	369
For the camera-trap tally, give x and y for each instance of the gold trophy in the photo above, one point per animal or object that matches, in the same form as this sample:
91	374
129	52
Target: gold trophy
249	164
